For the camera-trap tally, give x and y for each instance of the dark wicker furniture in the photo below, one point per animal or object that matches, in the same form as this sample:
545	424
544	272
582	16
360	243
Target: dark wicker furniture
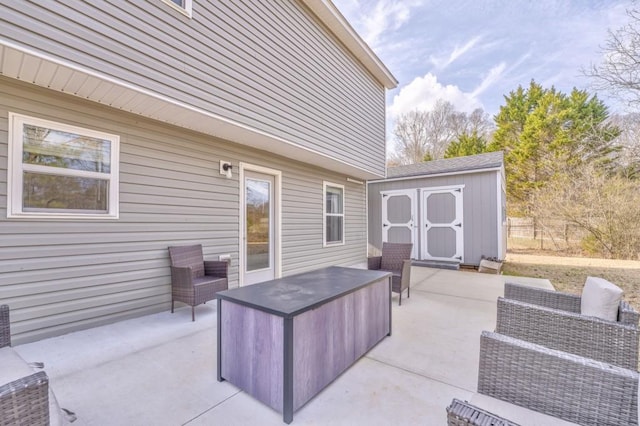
461	413
194	280
24	401
552	319
5	326
396	258
561	384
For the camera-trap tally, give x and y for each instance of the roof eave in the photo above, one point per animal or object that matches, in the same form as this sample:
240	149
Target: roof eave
438	174
38	68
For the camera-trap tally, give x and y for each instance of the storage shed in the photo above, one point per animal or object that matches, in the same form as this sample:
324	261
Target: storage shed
452	210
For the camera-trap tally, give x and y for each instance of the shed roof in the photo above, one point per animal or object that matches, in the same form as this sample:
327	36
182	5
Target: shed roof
489	160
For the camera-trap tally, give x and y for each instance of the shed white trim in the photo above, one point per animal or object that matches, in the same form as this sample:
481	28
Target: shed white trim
414	177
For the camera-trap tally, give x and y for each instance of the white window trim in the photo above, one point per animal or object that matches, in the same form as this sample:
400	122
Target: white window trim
186	10
16	169
325	184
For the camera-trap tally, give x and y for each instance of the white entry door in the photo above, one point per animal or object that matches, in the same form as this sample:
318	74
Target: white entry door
442	228
399	211
259	227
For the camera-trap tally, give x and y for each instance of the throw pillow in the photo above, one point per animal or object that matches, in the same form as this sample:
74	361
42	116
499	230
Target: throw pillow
600	298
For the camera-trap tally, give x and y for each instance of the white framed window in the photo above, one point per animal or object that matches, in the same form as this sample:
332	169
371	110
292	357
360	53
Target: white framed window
333	224
58	171
182	6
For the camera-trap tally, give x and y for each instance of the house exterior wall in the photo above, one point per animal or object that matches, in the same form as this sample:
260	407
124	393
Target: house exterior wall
268	65
480	210
63	275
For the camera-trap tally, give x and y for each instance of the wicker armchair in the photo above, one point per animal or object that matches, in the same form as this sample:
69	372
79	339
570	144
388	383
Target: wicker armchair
24	400
557	383
553	319
461	413
194	280
396	258
5	326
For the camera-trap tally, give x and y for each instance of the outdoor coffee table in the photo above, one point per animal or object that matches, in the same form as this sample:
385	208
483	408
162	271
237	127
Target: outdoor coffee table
283	341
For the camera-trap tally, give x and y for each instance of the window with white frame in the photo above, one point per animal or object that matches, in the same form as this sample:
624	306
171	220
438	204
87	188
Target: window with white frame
333	214
183	6
61	171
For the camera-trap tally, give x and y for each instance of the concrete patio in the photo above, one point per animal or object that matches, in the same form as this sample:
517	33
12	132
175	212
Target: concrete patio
161	369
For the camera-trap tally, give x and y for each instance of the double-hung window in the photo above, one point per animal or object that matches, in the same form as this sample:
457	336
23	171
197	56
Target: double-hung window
61	171
333	214
184	6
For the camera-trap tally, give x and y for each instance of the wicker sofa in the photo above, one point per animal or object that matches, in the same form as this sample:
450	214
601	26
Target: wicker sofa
553	319
25	395
561	384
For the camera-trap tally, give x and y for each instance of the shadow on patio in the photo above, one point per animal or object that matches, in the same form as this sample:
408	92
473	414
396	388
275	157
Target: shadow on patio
161	369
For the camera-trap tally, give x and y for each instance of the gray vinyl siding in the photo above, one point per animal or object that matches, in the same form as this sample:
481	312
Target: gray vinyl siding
59	276
480	210
269	65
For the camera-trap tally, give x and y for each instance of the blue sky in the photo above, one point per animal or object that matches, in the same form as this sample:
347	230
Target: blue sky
472	53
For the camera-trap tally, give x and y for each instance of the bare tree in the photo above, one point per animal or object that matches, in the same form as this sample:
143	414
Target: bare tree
479	123
628	160
619	73
421	135
410	132
442	124
602	204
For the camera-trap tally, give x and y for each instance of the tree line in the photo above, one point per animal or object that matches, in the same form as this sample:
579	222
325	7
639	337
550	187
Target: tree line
566	156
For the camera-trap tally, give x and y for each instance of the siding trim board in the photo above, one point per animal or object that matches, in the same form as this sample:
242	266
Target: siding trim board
19	62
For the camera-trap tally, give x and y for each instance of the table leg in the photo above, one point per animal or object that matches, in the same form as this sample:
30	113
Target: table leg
220	379
287	390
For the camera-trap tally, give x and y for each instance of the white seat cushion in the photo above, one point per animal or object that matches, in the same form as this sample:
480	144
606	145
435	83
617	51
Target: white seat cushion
600	298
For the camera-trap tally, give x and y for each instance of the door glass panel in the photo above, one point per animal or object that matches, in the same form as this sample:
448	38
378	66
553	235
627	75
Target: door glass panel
257	217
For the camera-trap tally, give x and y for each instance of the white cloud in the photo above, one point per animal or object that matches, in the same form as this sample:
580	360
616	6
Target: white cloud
423	92
492	77
377	20
458	51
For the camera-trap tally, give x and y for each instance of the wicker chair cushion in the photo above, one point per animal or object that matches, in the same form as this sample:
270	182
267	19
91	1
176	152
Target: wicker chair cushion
600	298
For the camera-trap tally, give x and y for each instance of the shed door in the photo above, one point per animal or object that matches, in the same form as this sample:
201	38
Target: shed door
442	227
399	210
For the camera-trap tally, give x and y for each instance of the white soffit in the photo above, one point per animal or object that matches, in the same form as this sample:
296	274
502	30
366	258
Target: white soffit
37	68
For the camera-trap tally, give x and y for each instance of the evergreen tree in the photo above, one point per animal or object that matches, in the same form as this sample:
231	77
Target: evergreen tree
544	132
466	145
